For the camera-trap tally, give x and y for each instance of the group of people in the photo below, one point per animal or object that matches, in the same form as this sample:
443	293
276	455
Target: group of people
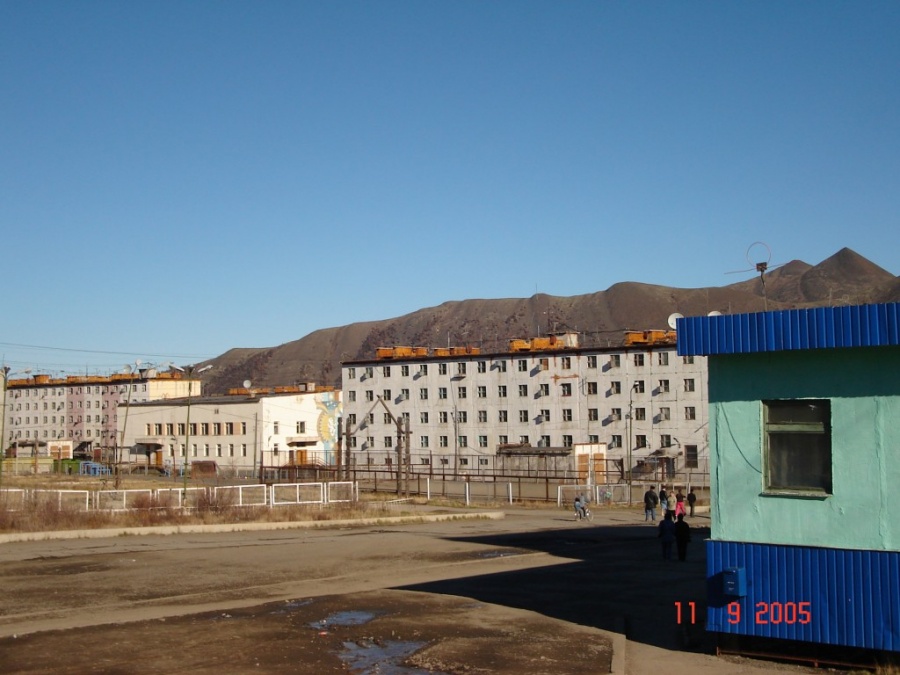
673	529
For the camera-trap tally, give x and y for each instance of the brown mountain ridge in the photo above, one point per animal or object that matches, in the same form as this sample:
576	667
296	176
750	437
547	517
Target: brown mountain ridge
601	318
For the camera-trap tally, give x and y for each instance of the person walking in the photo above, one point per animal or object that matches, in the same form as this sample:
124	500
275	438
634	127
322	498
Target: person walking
679	503
682	537
667	535
663	500
650	502
691	500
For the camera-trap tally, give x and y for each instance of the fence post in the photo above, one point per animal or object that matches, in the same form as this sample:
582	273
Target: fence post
468	495
509	492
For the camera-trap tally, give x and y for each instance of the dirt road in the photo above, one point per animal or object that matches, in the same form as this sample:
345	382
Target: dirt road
525	594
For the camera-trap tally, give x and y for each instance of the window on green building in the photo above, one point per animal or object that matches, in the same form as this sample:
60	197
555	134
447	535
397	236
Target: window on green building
798	445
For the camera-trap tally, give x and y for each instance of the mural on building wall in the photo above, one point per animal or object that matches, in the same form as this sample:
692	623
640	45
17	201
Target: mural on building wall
329	418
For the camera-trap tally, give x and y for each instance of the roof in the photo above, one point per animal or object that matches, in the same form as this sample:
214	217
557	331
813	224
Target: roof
790	329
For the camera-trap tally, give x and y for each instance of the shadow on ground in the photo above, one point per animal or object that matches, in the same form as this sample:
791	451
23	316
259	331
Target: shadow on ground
616	580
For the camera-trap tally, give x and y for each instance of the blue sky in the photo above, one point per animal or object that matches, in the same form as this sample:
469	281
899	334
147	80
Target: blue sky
181	178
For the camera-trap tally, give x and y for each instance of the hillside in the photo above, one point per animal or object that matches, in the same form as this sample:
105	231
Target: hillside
601	318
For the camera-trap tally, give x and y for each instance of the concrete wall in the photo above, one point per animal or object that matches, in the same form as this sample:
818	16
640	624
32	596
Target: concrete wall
863	384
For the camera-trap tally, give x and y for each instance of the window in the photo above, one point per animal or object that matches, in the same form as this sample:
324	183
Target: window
423	394
640	441
463	461
442	392
545	364
464	443
690	413
351	396
229	427
524	440
217	428
443	417
797	445
545	390
615	361
442	369
460	368
523	366
615	441
639	386
523	415
689	384
665	441
481	392
688	360
387	418
502	416
443	441
615	413
423	370
664	386
523	390
404	394
423	417
567	441
639	359
566	362
545	415
501	391
592	361
544	442
591	388
665	414
567	415
482	367
423	441
663	358
615	387
351	418
461	392
482	416
386	371
691	457
462	417
370	395
593	414
404	371
386	395
500	366
503	440
566	389
388	441
370	372
640	414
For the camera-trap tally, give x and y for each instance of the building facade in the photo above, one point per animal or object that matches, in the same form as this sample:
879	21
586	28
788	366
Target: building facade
240	432
465	409
83	410
805	538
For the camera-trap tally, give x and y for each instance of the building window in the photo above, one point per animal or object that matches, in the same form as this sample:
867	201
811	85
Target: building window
423	394
502	439
482	367
615	441
663	358
442	369
545	390
523	390
462	416
386	371
688	360
665	414
797	445
615	414
591	388
690	413
423	441
615	360
502	416
482	441
404	394
423	370
387	418
500	366
640	414
640	441
566	362
592	361
370	372
442	393
351	373
482	416
639	359
481	392
501	391
545	415
388	441
463	442
689	384
386	395
566	389
460	368
567	441
593	414
404	371
567	415
423	417
665	441
664	386
461	392
425	460
443	417
615	387
370	395
523	365
463	461
351	396
691	457
639	386
544	442
523	415
443	441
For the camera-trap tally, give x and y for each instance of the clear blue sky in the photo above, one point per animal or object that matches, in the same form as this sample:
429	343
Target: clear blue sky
180	178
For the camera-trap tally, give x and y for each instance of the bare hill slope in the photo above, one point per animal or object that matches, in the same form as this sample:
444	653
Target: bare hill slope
600	317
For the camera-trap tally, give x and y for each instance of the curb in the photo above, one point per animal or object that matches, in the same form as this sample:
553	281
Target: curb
243	527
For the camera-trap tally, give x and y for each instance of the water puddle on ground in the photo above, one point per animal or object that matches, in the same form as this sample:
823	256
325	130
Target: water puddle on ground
348	618
498	554
383	658
290	606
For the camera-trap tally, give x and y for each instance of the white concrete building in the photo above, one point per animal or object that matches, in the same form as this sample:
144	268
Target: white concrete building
465	409
240	432
81	409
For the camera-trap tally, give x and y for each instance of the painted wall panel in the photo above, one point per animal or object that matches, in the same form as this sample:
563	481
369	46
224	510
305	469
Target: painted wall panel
833	596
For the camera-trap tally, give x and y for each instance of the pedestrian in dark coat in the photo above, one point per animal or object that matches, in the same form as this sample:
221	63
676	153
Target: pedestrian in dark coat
682	537
691	500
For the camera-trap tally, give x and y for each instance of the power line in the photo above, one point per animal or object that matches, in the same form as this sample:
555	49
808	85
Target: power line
100	351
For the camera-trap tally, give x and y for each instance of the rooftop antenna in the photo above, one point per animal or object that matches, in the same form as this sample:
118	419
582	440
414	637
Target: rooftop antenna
761	251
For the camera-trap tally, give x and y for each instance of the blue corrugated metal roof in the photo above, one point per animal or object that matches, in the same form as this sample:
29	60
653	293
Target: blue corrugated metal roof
790	329
832	596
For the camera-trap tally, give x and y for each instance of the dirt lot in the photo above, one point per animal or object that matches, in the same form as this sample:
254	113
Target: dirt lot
531	593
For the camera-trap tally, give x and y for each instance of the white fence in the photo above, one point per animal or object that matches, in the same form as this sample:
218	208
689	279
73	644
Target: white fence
268	496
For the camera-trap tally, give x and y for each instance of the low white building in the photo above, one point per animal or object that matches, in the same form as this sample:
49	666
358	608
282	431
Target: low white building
240	432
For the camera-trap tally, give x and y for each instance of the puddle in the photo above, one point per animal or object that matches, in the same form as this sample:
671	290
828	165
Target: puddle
498	554
348	618
383	658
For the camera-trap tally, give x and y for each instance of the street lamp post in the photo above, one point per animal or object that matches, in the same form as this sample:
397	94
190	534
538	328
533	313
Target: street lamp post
131	370
630	421
190	371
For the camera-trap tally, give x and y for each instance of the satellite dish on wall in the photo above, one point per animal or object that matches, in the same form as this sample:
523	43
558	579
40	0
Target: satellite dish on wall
247	384
715	312
673	319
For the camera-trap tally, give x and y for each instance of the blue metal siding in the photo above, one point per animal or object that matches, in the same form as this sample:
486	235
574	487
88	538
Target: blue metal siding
791	329
853	596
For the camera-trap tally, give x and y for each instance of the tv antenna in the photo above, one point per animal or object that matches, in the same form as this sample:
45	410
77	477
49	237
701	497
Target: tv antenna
760	250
